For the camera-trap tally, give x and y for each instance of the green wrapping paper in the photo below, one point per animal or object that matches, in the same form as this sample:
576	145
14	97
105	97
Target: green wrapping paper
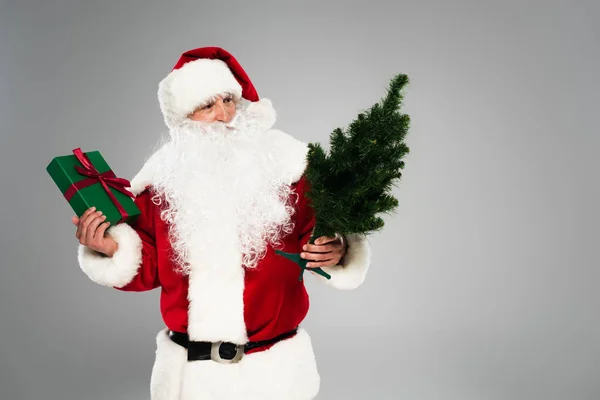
86	180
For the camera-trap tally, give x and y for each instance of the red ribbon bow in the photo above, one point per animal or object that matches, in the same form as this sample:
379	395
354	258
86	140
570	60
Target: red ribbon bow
107	179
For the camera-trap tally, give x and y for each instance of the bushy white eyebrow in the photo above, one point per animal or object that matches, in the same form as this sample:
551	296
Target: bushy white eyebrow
212	99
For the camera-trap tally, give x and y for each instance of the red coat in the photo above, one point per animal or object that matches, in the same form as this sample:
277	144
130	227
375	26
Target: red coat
236	305
274	300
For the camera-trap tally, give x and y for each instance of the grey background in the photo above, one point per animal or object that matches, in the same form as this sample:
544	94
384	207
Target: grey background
483	285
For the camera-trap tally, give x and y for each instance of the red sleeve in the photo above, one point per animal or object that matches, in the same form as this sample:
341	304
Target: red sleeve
352	271
306	215
147	275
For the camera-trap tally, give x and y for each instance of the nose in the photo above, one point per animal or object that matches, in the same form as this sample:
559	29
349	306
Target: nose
221	113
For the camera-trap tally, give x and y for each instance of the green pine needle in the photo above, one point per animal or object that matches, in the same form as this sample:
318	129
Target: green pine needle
351	186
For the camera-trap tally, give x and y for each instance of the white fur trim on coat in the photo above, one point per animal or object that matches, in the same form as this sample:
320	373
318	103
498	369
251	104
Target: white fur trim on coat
351	274
216	291
120	269
144	176
188	87
286	371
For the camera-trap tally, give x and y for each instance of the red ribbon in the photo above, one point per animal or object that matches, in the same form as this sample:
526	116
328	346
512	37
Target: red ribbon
107	179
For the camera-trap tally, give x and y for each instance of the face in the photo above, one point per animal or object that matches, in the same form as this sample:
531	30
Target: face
221	109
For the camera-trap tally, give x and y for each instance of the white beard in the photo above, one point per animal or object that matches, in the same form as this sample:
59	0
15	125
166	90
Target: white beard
221	189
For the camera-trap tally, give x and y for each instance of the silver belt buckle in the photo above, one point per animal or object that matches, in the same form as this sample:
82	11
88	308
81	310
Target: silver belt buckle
215	356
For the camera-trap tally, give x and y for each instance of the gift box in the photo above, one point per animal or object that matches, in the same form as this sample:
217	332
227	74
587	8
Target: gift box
86	180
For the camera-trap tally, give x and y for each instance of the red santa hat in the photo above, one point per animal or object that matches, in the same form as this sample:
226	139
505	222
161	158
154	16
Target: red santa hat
199	75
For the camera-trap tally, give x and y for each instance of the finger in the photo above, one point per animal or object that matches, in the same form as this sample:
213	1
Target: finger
91	230
313	248
325	239
319	264
85	223
87	212
78	231
316	256
93	227
99	235
75	220
82	219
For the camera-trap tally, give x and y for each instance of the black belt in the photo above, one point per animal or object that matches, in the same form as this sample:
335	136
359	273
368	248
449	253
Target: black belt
222	352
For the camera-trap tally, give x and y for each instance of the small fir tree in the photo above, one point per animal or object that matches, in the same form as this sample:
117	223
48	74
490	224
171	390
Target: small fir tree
351	186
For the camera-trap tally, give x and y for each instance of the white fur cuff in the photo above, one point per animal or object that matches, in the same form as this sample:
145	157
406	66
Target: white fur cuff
120	269
357	260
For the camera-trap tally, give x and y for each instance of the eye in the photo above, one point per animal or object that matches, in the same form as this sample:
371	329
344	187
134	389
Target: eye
206	107
228	99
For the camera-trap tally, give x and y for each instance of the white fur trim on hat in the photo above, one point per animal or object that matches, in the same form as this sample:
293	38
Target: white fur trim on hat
188	87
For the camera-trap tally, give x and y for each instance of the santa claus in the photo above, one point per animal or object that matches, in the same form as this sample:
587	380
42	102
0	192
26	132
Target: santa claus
217	199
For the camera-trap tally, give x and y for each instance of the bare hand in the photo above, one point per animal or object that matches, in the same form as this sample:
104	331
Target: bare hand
326	252
91	232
